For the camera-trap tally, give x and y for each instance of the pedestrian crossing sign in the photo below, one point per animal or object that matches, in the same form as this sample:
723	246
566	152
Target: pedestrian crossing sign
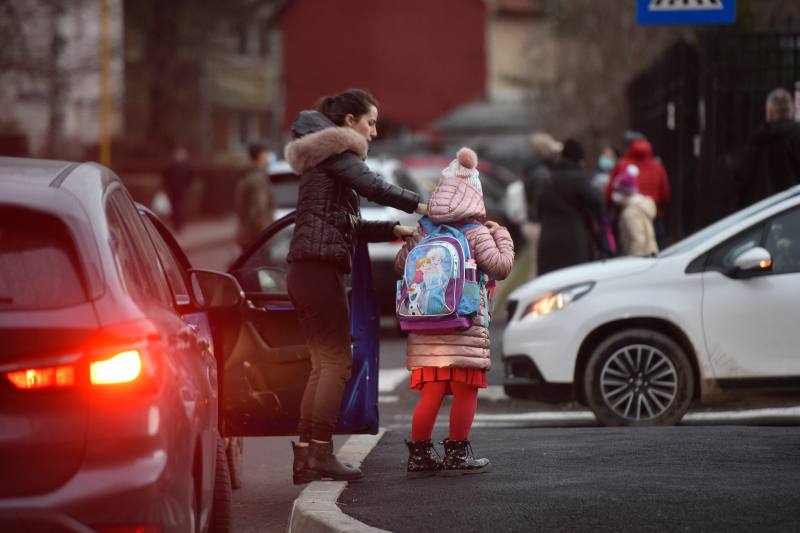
690	12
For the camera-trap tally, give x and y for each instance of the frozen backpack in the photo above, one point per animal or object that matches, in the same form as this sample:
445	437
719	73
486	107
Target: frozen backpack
439	290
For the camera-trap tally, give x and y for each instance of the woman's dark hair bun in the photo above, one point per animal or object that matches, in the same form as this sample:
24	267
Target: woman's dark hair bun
356	102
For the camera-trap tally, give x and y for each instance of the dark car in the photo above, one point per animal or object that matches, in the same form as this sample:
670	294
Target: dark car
122	368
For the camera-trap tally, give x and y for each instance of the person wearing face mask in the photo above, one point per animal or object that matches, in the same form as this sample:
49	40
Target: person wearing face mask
605	163
328	152
253	201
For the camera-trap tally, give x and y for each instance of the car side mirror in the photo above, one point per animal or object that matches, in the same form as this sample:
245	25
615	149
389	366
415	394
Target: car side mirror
753	261
215	290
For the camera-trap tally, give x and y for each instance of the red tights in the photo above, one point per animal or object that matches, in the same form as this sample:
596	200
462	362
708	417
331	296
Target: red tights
462	412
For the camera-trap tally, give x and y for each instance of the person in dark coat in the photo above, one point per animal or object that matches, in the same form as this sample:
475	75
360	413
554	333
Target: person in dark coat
253	201
328	152
771	159
177	178
567	207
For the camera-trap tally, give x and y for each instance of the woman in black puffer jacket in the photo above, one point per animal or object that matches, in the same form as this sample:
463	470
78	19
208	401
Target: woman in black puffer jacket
328	151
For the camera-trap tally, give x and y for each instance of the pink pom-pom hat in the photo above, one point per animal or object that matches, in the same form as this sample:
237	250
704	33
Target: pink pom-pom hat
465	165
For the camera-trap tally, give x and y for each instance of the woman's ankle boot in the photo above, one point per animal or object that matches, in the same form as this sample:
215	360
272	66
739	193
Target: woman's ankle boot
300	472
459	459
324	464
423	461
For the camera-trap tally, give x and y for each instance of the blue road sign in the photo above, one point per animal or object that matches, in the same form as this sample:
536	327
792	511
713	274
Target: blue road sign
690	12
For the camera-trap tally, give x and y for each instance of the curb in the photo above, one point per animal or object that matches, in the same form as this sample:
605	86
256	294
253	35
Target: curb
316	511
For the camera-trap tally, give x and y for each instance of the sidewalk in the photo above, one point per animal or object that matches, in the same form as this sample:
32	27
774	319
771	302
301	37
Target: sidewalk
207	233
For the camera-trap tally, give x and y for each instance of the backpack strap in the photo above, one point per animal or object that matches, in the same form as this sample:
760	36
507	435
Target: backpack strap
427	224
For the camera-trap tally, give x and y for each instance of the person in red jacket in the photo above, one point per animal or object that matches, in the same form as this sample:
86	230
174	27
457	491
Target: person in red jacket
653	181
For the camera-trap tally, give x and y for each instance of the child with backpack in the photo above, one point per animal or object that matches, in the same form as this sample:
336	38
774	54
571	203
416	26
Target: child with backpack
448	268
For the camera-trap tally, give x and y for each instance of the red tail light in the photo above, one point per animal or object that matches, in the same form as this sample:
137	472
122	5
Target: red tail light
121	357
123	367
41	378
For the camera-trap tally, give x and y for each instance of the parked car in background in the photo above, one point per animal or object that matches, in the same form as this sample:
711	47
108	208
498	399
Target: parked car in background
285	185
638	339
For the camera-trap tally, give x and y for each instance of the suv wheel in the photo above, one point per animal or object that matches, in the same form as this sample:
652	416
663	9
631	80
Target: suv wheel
220	521
639	377
234	449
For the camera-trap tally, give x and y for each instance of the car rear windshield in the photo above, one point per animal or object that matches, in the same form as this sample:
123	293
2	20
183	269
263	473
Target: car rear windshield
38	264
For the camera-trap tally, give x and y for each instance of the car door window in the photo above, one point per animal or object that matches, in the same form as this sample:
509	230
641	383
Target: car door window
175	274
724	257
264	271
134	255
783	242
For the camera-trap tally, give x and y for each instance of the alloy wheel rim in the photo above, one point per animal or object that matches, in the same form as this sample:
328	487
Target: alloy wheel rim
638	382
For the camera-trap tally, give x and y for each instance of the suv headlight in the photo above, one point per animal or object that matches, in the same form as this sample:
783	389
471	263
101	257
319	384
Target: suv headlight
557	300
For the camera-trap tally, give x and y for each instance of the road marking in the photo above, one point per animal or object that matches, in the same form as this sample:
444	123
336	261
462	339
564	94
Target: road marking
388	398
390	378
492	393
588	416
745	414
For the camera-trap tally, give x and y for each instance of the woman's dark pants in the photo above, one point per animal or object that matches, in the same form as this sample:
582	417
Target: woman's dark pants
317	291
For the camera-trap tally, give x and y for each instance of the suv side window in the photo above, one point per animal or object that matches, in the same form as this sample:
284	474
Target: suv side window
169	263
135	256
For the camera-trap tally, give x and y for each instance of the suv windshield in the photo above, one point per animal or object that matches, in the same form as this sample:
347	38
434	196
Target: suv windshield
39	268
721	225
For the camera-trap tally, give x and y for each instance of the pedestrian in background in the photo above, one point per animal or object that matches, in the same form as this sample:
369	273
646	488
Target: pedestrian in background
605	241
328	151
176	179
568	208
456	362
546	152
652	181
771	159
605	164
636	232
253	202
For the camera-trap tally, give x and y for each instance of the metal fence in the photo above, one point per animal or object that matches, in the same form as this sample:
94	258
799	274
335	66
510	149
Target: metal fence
698	103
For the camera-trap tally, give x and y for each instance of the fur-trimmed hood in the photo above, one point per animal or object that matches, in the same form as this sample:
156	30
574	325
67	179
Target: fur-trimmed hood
317	139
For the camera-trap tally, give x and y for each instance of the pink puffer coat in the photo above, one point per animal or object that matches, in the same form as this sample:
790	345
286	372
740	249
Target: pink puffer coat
456	201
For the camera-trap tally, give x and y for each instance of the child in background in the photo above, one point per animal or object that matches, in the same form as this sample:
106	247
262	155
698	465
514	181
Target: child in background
636	232
454	363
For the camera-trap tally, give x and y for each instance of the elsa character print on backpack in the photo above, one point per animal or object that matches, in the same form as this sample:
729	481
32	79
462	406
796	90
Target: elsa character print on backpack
431	294
444	300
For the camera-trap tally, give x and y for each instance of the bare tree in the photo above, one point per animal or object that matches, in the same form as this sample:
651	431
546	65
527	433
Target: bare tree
600	48
178	36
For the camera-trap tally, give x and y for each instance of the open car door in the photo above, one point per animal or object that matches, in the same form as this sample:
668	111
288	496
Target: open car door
261	349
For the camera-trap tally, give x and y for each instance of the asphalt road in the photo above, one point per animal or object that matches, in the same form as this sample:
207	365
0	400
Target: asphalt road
594	479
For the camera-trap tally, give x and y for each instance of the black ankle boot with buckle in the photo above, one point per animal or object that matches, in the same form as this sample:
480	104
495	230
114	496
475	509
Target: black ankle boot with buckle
423	461
300	472
323	463
459	459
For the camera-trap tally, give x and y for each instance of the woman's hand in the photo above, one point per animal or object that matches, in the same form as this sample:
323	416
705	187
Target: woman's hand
403	231
491	225
422	209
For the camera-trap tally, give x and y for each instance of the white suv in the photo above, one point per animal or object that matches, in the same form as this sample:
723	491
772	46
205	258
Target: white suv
637	339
